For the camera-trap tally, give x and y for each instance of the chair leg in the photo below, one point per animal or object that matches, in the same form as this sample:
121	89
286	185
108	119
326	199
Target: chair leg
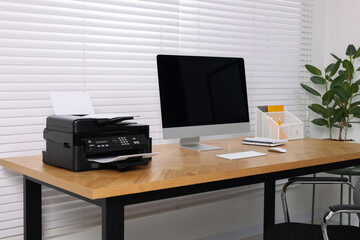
313	203
341	199
349	216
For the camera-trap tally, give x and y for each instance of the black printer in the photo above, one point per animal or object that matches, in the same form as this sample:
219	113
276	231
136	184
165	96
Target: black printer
71	140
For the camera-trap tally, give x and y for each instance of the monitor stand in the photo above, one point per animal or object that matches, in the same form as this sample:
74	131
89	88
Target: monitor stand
194	144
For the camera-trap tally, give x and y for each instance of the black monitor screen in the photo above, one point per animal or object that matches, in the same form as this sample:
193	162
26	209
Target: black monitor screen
202	90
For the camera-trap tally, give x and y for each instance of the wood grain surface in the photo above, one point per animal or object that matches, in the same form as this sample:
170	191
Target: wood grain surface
175	167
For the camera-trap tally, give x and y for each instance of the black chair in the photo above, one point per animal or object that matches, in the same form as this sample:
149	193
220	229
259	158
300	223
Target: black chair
303	231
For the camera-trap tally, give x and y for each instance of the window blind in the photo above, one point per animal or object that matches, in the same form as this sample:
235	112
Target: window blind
108	49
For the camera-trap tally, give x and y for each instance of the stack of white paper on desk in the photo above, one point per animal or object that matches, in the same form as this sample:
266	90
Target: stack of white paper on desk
121	158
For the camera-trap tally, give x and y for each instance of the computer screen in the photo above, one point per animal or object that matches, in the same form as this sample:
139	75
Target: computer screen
202	96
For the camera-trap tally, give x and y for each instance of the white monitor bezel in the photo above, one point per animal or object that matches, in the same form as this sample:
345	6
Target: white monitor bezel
206	130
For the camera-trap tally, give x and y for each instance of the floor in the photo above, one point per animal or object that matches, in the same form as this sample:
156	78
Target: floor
258	237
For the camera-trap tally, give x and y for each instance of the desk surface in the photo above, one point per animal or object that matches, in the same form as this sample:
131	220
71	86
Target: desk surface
176	167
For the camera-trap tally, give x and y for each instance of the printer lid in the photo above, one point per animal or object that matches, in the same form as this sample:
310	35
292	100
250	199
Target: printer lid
82	123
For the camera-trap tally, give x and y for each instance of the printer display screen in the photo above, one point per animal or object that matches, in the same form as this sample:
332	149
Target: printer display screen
114	143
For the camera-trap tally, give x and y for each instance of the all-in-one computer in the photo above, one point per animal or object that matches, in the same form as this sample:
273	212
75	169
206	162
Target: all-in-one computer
202	96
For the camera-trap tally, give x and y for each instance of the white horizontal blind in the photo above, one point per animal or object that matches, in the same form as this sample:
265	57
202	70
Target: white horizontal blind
272	36
108	49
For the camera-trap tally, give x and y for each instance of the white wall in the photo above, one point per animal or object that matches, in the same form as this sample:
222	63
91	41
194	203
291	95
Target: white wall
341	24
342	21
229	219
336	28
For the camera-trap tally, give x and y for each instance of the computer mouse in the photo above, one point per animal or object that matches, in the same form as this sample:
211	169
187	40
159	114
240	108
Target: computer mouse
277	149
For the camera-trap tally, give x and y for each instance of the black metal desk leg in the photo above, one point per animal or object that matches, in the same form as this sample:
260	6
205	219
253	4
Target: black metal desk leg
113	219
32	210
269	204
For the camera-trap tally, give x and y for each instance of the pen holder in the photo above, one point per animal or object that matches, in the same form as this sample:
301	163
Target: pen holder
278	125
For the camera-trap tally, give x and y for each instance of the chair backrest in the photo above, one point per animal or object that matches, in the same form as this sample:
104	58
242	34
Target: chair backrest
357	194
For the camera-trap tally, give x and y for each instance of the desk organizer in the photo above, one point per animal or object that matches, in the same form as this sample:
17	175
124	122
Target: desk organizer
278	125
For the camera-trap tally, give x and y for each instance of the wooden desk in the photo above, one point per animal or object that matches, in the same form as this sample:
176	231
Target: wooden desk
176	172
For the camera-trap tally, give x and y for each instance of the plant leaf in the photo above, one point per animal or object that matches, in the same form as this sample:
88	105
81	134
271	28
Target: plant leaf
337	101
334	125
328	113
357	82
327	97
320	122
348	66
341	93
336	57
310	90
335	68
330	67
317	108
346	86
338	115
354	88
358	69
357	54
337	81
318	80
342	72
354	104
313	70
355	111
351	50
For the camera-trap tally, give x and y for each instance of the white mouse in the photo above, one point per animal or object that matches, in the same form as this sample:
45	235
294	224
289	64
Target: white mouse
277	149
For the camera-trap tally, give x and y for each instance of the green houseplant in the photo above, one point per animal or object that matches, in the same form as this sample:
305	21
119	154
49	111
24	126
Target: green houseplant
338	107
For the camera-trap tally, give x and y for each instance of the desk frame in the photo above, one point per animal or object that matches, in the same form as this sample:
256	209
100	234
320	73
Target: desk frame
113	207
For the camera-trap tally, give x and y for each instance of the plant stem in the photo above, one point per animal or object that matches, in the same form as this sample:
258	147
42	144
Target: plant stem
341	128
327	106
346	129
347	119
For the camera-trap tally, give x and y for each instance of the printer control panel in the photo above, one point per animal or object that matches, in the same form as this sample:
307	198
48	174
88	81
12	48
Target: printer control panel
105	144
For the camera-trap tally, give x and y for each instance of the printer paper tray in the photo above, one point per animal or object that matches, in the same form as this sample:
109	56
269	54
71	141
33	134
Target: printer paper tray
121	158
